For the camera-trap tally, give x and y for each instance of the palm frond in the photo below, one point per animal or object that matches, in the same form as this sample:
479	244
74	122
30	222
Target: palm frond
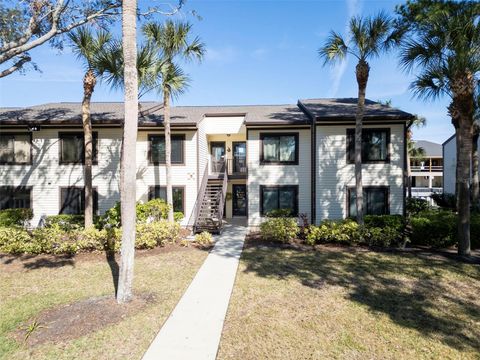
174	80
334	49
430	84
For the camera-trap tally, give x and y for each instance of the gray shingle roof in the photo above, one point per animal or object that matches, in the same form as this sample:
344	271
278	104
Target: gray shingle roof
151	113
345	109
431	148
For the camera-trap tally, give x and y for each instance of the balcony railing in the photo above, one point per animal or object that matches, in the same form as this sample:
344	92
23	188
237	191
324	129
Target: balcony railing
426	168
235	167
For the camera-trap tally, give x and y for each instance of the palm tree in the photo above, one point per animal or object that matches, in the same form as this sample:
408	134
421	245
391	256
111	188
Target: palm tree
475	160
87	46
128	159
366	39
412	150
172	42
444	46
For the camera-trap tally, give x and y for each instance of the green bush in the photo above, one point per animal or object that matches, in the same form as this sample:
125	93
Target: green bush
445	200
396	222
415	206
153	210
204	239
344	231
281	229
279	213
15	217
379	230
15	240
157	233
435	228
65	222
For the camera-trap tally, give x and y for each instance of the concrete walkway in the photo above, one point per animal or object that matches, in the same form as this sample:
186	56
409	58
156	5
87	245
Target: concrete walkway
193	329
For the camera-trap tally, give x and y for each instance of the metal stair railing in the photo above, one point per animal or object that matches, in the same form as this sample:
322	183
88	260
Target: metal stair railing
196	208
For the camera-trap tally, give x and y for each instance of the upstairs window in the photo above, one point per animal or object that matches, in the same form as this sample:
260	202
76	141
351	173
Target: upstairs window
279	198
15	148
375	201
160	192
15	197
72	201
279	148
157	149
72	148
375	145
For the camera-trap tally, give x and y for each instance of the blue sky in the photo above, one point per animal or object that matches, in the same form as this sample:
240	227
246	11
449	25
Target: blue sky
259	52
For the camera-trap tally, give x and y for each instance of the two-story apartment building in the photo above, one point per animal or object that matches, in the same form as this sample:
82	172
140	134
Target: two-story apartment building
427	170
226	160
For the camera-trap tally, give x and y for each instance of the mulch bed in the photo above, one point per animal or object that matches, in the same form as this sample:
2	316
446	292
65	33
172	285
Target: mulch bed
79	318
25	262
254	239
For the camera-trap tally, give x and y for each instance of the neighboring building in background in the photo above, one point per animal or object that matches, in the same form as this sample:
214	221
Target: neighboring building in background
450	164
427	171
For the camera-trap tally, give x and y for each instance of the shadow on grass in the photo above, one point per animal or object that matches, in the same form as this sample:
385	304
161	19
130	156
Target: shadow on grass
407	288
33	262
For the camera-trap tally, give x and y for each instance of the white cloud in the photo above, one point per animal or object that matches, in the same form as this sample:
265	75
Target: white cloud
354	7
259	53
222	55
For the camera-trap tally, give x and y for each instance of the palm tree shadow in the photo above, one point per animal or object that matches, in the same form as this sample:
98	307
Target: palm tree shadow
112	263
406	288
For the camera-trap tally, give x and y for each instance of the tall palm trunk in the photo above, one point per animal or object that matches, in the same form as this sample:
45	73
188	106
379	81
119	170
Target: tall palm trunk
475	177
89	82
168	151
362	72
462	116
128	160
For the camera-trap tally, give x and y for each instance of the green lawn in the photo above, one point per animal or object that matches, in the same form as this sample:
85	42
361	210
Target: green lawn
336	303
27	290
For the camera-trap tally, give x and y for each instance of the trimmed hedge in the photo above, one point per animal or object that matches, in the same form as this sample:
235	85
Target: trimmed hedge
281	229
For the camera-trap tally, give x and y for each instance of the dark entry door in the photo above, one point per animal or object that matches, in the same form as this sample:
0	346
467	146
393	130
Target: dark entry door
239	158
239	199
217	149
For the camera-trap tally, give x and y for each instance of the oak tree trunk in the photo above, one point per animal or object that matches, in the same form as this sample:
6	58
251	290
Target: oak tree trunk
89	82
128	160
362	72
168	152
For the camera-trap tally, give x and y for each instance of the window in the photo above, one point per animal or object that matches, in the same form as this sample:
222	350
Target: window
279	198
72	149
72	201
375	145
157	149
280	148
375	201
15	148
160	192
15	197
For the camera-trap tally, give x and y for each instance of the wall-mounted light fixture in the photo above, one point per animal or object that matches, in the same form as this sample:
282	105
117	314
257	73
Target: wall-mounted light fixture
33	128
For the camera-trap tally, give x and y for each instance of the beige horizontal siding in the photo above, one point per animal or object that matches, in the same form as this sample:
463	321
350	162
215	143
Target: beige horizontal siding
334	174
277	174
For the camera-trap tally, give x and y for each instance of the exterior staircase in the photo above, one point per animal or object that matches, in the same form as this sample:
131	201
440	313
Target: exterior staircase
208	211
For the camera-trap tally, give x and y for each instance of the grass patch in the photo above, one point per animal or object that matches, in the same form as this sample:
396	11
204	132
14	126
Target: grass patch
39	285
351	303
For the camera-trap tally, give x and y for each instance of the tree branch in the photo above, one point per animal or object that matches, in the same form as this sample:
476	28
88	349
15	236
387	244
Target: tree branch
17	66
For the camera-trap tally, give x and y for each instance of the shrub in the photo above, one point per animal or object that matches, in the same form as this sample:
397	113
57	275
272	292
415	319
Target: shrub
14	240
204	239
15	217
280	229
436	228
344	231
415	206
396	222
382	230
156	233
153	210
445	201
65	222
279	213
